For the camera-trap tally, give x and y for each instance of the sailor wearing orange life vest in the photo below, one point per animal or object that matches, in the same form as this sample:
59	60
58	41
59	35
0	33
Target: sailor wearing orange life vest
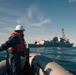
17	46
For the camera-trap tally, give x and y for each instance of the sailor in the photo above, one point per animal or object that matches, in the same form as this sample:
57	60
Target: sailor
17	46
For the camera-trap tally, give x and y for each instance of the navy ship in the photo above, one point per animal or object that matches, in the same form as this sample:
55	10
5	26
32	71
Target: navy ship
54	42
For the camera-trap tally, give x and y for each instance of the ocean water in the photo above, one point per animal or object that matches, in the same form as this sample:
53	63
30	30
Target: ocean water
66	57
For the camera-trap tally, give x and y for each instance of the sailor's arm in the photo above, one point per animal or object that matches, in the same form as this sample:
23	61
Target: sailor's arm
11	42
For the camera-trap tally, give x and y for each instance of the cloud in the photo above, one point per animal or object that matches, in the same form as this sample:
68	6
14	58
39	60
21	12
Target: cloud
8	28
31	11
33	17
9	14
2	22
71	1
3	37
41	23
6	8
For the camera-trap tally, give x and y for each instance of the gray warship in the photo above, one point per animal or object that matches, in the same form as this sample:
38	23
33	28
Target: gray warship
54	42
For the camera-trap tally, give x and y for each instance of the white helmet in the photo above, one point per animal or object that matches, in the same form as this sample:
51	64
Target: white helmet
19	27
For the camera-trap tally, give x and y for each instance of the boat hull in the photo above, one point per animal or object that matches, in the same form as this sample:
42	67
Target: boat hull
42	65
39	65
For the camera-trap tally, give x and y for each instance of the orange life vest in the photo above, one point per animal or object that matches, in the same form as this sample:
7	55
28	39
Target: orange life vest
21	47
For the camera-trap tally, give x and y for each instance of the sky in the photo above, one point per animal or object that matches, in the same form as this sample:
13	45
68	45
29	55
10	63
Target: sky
42	19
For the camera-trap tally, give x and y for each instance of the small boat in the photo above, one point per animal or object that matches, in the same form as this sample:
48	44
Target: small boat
38	65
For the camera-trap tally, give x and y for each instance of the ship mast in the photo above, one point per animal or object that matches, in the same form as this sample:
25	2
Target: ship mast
63	34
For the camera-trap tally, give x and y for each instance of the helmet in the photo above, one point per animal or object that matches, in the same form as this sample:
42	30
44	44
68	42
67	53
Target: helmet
19	27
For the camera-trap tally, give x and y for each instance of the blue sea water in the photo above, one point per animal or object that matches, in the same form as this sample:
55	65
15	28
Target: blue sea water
66	57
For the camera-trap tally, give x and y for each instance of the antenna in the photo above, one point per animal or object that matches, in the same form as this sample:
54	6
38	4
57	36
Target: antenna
63	34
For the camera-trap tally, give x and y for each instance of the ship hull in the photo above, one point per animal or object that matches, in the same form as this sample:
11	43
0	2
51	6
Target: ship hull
50	45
